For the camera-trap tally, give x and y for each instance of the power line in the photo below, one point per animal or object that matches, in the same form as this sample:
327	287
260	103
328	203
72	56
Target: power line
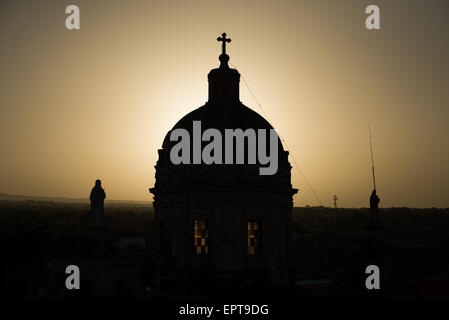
282	139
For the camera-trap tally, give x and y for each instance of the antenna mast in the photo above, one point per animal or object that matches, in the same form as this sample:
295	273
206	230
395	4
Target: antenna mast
372	159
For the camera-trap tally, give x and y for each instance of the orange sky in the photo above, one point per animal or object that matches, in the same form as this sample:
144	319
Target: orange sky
97	102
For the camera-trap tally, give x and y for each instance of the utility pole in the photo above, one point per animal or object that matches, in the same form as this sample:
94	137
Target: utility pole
372	158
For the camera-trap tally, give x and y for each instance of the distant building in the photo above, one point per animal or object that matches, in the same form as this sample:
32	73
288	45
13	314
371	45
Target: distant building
223	217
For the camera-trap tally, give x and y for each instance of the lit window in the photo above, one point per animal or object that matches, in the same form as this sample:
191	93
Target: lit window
253	237
200	240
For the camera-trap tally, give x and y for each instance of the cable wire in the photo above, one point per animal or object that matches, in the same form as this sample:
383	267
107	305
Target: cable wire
282	139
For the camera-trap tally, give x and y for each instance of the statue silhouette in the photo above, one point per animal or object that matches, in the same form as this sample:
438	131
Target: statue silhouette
374	205
97	196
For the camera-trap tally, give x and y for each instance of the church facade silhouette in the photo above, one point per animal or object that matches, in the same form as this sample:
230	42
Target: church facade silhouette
223	218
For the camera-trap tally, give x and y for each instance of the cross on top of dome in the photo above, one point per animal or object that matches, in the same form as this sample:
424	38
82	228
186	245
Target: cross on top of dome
223	39
224	58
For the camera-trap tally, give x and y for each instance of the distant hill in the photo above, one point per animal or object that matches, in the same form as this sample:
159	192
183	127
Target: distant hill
19	197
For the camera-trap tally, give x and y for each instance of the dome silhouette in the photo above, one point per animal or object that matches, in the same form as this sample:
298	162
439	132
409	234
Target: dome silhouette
223	110
221	117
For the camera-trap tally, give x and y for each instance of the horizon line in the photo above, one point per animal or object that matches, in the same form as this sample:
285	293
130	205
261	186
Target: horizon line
64	199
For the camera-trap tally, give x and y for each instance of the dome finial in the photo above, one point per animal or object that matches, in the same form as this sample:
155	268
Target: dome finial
224	58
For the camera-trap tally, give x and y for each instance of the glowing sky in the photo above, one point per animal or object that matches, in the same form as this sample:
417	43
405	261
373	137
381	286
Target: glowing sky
97	102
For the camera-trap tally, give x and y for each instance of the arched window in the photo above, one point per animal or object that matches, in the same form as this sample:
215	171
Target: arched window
200	237
254	237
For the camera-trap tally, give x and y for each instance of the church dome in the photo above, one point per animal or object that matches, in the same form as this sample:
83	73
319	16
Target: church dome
222	111
221	117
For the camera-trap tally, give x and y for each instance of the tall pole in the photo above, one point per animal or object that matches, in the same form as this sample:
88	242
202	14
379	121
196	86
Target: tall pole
372	159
